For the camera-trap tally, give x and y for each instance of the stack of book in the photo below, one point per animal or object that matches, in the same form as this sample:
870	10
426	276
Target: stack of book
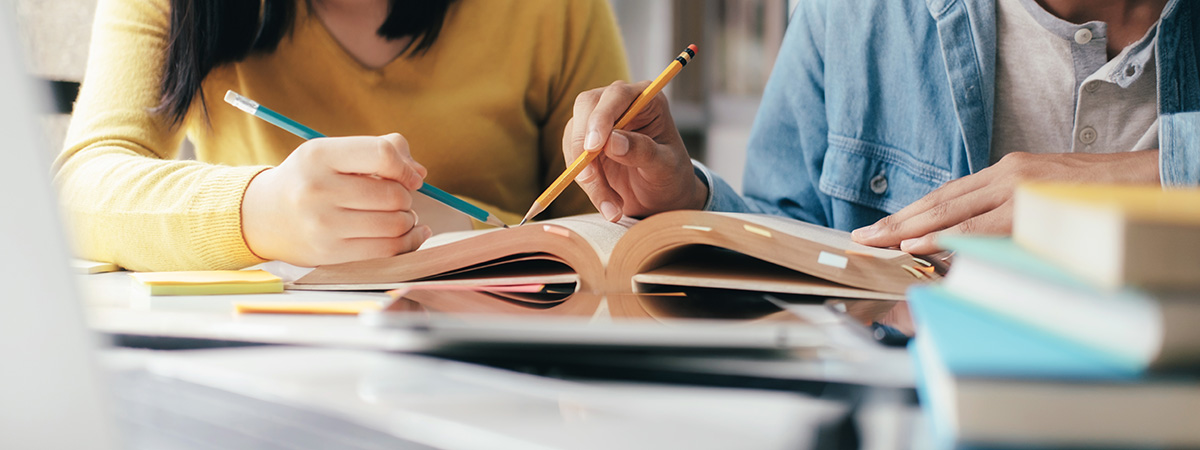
1082	330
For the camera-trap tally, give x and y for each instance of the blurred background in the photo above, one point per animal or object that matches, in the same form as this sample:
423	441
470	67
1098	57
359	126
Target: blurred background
714	101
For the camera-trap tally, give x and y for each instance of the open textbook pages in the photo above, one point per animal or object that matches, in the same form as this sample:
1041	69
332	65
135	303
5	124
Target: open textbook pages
567	250
678	248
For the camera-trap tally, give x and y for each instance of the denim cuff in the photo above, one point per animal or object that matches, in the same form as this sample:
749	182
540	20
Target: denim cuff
1179	149
721	197
705	177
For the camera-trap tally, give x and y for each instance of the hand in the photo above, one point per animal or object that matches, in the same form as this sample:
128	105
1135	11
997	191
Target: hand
981	203
643	170
336	200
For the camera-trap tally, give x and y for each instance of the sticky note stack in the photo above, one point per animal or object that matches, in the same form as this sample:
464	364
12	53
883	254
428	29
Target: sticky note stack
213	282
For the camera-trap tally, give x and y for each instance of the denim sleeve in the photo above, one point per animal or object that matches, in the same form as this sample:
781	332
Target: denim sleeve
721	196
1179	152
788	140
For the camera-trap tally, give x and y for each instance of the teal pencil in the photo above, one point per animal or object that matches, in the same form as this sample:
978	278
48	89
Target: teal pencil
298	129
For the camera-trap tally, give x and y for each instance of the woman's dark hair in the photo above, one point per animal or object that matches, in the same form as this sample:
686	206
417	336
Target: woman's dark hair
208	33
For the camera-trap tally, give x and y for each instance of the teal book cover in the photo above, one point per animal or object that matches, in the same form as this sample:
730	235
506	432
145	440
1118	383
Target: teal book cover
1004	252
975	342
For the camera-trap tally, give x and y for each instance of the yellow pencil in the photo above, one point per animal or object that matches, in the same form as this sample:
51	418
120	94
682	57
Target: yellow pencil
586	157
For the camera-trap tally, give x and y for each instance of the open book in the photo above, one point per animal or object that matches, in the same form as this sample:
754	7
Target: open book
683	249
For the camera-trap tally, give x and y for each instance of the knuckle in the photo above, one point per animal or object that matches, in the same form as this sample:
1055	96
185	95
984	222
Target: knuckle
401	224
968	227
587	175
322	222
577	141
588	98
892	227
386	151
885	222
308	148
661	98
307	188
399	143
405	243
1013	160
939	212
401	199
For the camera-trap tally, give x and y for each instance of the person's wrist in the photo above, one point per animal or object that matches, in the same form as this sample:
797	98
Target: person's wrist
254	215
699	197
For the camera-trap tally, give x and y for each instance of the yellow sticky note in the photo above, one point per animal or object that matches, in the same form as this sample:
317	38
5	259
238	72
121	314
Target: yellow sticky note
84	266
208	282
348	308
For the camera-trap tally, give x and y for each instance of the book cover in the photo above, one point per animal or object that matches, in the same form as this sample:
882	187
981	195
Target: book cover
986	383
977	342
1149	330
1113	235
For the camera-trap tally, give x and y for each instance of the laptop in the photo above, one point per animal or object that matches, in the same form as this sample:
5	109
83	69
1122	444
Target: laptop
52	393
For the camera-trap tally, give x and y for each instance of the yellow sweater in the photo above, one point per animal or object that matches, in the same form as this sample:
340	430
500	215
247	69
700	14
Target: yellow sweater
484	110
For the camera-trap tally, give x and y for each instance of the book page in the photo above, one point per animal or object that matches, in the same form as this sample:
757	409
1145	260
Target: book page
439	240
595	229
828	236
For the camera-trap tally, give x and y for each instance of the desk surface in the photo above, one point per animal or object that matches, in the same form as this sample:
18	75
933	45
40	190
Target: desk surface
436	402
115	308
447	404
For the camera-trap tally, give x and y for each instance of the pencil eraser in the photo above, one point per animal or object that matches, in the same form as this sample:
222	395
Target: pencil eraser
693	48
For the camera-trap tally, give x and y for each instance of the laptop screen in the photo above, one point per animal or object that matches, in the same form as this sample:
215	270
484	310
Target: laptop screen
52	396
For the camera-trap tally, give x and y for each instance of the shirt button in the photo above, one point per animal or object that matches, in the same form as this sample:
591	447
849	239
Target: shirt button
1087	135
879	184
1083	36
1092	86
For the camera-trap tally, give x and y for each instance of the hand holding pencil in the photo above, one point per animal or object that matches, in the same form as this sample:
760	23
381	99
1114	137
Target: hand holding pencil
318	208
638	163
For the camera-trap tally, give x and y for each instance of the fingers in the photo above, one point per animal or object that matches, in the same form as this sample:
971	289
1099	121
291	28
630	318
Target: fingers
997	221
614	100
386	156
573	140
949	212
371	248
399	145
591	180
576	133
889	231
364	193
369	224
595	184
655	163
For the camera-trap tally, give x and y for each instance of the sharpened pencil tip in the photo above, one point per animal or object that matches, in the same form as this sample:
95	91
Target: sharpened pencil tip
534	210
495	222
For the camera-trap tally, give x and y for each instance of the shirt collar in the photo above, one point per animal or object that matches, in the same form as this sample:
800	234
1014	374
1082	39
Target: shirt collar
1132	60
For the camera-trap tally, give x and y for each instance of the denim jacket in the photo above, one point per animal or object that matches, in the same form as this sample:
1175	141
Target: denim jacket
874	103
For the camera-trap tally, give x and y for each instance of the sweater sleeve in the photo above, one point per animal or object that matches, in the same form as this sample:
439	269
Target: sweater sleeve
125	200
593	56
